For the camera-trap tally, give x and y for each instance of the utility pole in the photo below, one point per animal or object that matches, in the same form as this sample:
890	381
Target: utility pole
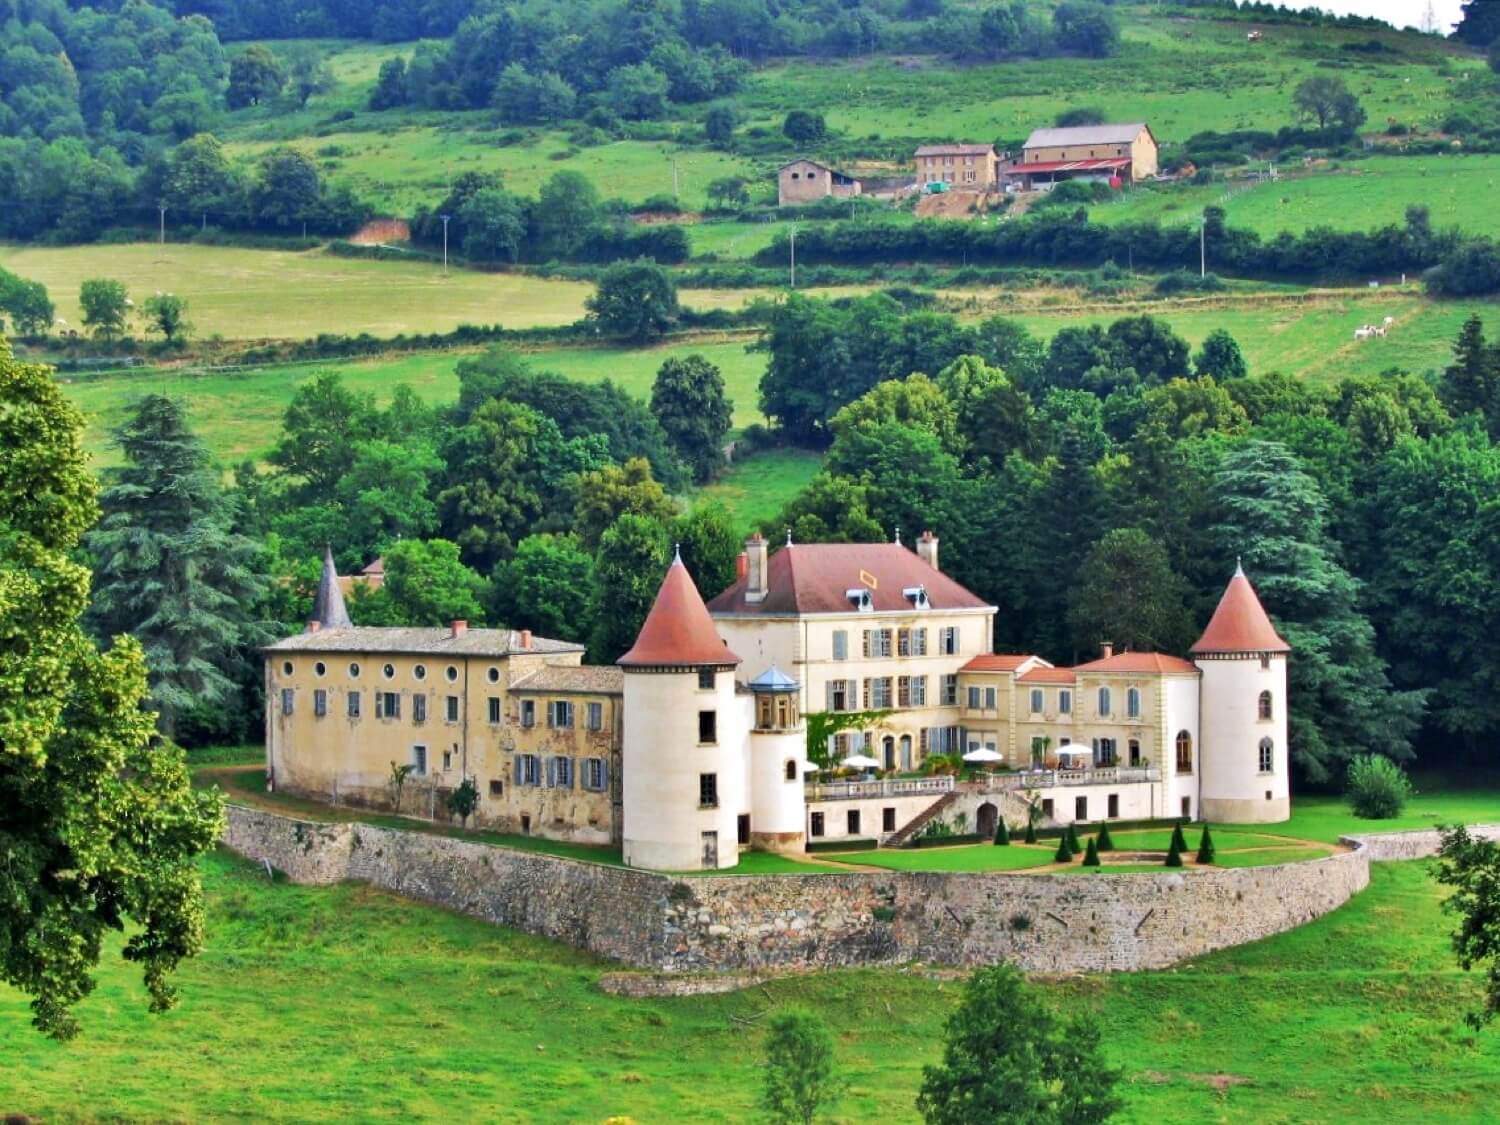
1203	247
675	192
794	257
162	238
445	219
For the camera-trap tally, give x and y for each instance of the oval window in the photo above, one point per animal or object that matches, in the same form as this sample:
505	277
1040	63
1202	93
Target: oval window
320	668
494	675
354	671
420	671
286	668
390	671
452	673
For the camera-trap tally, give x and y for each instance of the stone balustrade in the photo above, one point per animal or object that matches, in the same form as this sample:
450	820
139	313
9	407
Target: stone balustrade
891	787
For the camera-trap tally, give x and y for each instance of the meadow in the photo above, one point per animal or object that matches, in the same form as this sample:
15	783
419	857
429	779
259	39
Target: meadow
405	1011
241	294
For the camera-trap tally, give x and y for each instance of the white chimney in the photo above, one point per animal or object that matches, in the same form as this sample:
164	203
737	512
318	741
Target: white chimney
927	549
756	558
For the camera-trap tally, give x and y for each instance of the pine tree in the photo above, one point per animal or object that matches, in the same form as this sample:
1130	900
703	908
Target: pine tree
1471	383
1072	837
1205	847
1002	833
1106	842
1179	841
1064	853
102	828
1091	855
1340	700
172	573
1174	854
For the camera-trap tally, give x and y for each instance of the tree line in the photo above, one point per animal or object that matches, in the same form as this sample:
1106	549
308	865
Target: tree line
1103	484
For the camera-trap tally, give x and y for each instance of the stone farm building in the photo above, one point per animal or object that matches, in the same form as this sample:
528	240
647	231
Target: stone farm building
696	743
958	167
807	181
1126	152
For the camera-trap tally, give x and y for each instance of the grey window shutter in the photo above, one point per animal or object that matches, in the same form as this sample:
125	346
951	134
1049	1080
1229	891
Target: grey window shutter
519	759
603	773
551	773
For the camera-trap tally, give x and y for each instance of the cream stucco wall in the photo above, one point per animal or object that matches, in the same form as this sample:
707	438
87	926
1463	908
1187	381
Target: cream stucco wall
1234	787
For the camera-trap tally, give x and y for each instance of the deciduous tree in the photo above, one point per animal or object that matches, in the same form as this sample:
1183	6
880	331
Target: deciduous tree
105	306
628	569
636	300
1127	592
799	1076
688	400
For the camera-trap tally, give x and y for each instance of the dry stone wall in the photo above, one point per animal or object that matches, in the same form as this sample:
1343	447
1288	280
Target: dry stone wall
1417	844
728	924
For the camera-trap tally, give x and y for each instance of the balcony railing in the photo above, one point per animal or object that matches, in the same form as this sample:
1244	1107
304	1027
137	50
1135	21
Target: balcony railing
1046	779
859	790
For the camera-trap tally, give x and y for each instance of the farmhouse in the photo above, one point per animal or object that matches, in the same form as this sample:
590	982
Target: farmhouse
961	167
1106	153
697	743
806	181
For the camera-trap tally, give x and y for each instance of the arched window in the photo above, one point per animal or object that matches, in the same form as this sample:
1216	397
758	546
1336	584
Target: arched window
1263	705
1104	701
791	770
1184	752
1133	703
1267	756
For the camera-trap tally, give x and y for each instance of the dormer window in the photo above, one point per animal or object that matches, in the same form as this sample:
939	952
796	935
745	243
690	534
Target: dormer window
917	595
861	599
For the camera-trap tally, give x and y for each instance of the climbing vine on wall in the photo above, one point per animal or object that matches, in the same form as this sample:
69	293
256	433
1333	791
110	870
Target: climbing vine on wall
822	725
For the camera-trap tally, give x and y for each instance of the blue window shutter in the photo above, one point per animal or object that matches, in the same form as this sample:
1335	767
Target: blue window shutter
551	772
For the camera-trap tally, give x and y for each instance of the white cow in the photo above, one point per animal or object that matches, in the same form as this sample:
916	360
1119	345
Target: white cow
1364	332
1388	321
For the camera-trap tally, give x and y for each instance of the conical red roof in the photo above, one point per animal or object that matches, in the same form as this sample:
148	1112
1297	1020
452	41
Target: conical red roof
678	630
1240	623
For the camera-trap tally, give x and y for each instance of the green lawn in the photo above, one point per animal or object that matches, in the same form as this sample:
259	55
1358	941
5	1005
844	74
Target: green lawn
959	857
757	487
1328	818
402	1011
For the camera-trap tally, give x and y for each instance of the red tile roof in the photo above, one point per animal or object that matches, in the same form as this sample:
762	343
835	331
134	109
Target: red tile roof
678	630
1046	676
816	578
1147	662
1240	623
996	662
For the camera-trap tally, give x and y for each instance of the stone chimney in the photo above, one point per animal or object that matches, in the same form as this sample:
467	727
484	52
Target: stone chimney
927	549
756	561
457	627
741	566
525	638
1106	649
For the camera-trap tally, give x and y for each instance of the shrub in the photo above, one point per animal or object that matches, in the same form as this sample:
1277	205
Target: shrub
1174	854
1377	787
1064	854
1072	837
1205	847
1002	834
1030	836
1106	843
1091	855
1179	841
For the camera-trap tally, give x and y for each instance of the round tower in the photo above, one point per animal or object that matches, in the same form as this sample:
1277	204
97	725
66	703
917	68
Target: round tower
682	753
778	745
1243	764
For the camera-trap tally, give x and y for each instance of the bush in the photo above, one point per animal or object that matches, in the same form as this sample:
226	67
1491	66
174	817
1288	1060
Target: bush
1030	836
1072	837
1205	847
1174	854
1377	788
1185	281
1091	855
1106	843
1064	854
1002	834
1179	841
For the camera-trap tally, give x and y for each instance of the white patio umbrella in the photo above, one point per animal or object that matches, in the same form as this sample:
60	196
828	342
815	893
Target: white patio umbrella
984	754
860	762
810	767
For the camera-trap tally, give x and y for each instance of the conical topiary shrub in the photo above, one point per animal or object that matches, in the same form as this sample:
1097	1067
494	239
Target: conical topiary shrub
1072	837
1174	854
1064	853
1106	843
1030	836
1091	856
1205	847
1179	841
1002	833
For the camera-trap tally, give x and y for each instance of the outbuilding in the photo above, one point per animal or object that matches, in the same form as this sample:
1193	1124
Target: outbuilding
806	181
1126	152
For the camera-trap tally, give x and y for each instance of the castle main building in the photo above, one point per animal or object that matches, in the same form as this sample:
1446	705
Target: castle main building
696	744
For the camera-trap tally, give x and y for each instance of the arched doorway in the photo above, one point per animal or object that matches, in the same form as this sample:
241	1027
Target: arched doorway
906	753
985	821
889	748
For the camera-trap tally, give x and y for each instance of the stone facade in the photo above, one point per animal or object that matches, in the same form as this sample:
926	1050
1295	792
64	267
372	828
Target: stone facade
738	924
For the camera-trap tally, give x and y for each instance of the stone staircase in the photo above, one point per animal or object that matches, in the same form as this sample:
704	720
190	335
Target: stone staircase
908	831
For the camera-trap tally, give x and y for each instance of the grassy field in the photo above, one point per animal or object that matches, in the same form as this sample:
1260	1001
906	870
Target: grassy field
253	294
404	1011
1362	194
756	488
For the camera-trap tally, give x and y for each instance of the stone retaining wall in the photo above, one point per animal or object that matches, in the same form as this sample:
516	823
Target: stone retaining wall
1048	923
1416	844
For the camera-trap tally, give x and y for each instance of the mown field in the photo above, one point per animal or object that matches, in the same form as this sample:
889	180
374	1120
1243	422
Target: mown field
253	294
404	1011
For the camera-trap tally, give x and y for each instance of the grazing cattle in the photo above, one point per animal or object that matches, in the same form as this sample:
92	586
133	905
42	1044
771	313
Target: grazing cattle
1388	321
1363	332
